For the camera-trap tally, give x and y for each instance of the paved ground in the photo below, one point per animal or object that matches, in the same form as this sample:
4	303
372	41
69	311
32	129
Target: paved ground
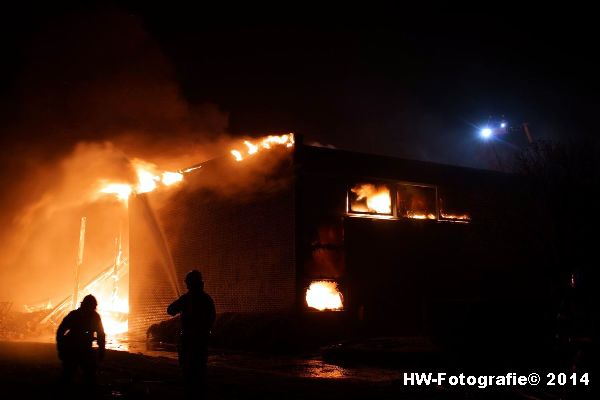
30	370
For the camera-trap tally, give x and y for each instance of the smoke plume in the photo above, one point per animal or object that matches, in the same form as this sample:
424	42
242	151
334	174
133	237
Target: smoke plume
95	92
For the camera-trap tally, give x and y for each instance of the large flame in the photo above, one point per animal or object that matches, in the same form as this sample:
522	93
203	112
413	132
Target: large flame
112	295
377	199
265	143
324	295
149	178
114	312
114	307
171	178
121	190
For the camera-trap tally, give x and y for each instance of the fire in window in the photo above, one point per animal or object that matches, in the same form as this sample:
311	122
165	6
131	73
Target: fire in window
417	202
370	198
452	207
324	295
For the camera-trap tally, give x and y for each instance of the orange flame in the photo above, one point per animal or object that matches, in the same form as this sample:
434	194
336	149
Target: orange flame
114	313
378	199
121	190
148	179
238	156
170	178
324	295
265	143
414	215
113	300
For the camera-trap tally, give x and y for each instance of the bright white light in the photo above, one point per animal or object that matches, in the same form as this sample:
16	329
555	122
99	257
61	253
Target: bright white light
503	125
486	133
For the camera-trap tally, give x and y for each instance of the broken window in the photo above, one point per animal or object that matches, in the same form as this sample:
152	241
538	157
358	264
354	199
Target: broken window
452	206
416	201
370	198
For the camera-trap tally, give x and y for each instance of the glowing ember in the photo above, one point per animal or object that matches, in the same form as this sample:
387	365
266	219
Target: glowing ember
461	217
374	198
265	143
324	295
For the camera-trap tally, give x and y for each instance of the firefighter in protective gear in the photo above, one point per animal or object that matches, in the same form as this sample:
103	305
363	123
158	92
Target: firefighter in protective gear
74	338
197	311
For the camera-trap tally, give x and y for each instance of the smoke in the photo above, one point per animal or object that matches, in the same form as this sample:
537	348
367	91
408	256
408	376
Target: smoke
96	91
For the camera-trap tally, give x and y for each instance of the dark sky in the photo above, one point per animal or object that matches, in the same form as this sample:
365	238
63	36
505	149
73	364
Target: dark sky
165	83
400	83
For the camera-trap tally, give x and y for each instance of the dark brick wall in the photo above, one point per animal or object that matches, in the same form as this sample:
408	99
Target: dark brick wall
413	277
152	280
258	248
243	244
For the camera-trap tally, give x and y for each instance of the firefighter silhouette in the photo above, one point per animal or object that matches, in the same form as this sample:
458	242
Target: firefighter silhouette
197	311
74	339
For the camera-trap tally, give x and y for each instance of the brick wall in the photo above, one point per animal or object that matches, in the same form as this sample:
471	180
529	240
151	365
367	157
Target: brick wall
152	280
244	246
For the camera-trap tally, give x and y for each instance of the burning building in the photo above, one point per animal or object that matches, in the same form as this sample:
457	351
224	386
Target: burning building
405	247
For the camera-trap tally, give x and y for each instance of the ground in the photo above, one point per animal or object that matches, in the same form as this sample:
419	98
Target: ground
30	370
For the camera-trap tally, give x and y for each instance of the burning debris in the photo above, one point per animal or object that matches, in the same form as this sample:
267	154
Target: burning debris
42	306
324	295
113	306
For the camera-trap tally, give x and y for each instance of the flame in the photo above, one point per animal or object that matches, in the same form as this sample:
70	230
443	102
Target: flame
148	180
324	295
265	143
238	156
113	301
170	178
378	199
190	169
114	313
252	148
121	190
414	215
114	309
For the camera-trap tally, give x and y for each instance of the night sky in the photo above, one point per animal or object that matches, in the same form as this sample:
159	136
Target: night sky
409	84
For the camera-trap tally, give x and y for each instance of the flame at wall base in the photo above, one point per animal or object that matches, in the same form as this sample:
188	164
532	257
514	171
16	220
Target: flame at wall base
324	295
115	316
